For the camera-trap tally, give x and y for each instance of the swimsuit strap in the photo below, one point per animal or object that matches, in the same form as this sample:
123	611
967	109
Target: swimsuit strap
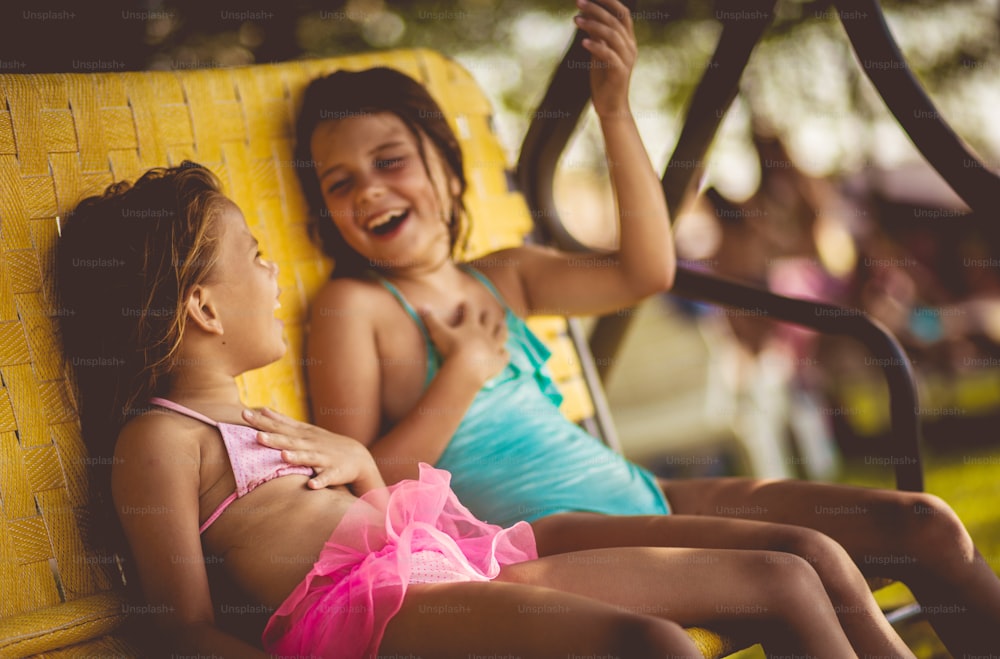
186	411
485	282
218	511
432	354
433	358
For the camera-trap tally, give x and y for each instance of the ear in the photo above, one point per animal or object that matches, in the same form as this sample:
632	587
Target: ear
454	186
201	310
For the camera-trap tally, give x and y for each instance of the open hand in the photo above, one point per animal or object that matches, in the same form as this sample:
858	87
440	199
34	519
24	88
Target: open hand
611	44
336	459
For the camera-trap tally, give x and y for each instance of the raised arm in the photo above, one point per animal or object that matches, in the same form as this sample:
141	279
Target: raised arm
155	487
345	378
571	284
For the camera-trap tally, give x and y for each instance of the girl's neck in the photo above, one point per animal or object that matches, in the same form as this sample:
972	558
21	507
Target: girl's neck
445	275
195	389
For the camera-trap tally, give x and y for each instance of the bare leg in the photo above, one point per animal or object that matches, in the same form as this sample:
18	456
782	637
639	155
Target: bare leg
462	620
913	537
783	597
859	615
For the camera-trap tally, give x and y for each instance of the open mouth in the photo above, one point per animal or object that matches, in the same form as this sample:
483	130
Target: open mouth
388	222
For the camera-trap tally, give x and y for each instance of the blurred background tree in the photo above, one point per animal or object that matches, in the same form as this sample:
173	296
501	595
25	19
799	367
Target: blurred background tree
802	79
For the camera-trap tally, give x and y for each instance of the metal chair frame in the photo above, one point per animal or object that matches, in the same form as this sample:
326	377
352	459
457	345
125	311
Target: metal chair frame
557	115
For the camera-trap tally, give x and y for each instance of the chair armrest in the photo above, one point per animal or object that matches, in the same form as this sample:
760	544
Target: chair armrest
904	450
560	110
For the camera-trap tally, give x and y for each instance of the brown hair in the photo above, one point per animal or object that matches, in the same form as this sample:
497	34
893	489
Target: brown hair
124	265
346	94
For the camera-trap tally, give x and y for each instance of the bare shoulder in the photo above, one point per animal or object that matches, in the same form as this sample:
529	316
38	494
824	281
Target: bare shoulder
159	433
510	269
346	298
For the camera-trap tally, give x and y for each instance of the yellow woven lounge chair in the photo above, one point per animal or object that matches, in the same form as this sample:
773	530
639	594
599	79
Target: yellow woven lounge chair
64	136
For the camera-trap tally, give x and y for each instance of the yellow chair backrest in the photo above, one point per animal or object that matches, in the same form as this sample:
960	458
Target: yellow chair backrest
66	136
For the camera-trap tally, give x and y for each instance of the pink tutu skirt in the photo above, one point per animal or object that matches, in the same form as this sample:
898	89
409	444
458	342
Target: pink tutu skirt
415	531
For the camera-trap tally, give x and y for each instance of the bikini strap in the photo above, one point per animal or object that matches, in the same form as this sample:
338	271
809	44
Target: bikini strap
218	511
433	359
186	411
485	282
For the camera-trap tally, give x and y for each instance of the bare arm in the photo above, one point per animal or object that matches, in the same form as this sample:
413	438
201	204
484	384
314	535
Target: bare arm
575	284
155	487
344	379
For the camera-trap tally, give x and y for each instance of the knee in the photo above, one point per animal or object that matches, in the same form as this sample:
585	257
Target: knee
932	532
788	582
827	557
818	549
640	637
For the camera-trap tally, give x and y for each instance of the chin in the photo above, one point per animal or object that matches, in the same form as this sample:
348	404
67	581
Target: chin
280	350
270	357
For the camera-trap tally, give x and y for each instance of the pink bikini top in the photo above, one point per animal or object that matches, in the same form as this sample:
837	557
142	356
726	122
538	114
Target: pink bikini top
253	463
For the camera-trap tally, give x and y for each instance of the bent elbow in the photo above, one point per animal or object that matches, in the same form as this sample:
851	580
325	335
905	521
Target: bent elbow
659	280
667	277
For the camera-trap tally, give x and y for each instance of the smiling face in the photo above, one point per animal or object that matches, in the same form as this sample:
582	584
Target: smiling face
247	286
388	205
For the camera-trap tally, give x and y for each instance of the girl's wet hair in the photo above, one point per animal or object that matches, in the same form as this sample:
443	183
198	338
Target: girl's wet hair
124	264
346	94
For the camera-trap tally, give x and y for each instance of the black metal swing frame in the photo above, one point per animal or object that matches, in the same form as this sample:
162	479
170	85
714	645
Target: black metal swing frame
743	26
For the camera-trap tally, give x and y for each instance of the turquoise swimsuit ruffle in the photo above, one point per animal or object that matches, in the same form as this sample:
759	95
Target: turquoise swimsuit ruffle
515	456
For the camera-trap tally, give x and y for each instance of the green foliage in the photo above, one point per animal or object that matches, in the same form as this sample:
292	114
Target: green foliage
803	69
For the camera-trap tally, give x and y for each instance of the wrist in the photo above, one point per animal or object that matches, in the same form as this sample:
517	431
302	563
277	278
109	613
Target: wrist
615	115
463	370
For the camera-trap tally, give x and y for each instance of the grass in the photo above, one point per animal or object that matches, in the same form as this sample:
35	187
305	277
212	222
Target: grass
968	478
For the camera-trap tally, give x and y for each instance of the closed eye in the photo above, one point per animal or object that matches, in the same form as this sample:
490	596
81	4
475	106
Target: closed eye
390	163
337	186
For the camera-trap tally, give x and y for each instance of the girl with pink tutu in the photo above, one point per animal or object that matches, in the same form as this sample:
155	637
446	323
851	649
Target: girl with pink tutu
166	300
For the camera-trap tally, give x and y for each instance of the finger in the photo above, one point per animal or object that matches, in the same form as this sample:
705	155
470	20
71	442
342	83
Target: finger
277	441
434	324
257	419
271	422
608	12
603	33
309	459
440	333
613	25
610	60
282	418
330	477
319	481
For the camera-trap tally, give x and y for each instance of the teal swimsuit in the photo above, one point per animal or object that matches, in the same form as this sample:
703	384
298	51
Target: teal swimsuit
516	457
